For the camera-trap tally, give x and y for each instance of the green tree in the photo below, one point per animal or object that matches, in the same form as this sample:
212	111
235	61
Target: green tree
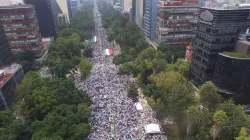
236	120
180	66
87	51
26	59
10	127
243	134
139	80
209	96
85	68
153	91
44	98
54	124
126	68
121	58
65	53
149	61
111	36
132	53
66	32
141	44
177	52
129	35
201	128
219	118
180	97
167	80
191	114
84	111
132	91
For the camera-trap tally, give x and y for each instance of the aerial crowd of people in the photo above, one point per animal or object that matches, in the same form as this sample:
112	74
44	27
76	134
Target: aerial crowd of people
113	114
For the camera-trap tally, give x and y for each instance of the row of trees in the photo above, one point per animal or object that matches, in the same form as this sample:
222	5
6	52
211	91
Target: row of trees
68	50
46	108
124	32
65	54
52	108
163	76
198	114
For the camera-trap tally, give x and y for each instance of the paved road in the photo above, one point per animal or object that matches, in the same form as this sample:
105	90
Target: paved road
113	114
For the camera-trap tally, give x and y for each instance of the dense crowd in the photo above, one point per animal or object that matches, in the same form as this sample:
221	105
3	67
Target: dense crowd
114	115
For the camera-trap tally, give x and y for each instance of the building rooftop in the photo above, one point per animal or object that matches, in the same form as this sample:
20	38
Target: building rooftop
245	42
9	71
4	79
16	6
229	7
236	55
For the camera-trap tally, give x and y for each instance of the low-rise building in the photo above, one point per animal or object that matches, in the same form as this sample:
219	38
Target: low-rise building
10	77
47	42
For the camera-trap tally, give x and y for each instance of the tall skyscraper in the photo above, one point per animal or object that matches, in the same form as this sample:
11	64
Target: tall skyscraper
45	17
127	4
176	23
21	28
139	12
150	17
5	51
133	10
217	31
66	16
74	5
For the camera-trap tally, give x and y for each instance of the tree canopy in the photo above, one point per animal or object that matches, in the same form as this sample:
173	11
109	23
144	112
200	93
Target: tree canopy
10	127
132	91
65	53
54	126
46	101
85	68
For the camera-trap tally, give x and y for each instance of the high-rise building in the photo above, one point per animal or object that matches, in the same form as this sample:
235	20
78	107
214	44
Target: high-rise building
217	31
150	17
10	77
127	4
5	51
176	23
55	12
74	5
139	12
66	16
133	10
45	17
21	28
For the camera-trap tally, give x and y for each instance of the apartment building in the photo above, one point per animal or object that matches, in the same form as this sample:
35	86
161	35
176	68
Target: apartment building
176	22
21	28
